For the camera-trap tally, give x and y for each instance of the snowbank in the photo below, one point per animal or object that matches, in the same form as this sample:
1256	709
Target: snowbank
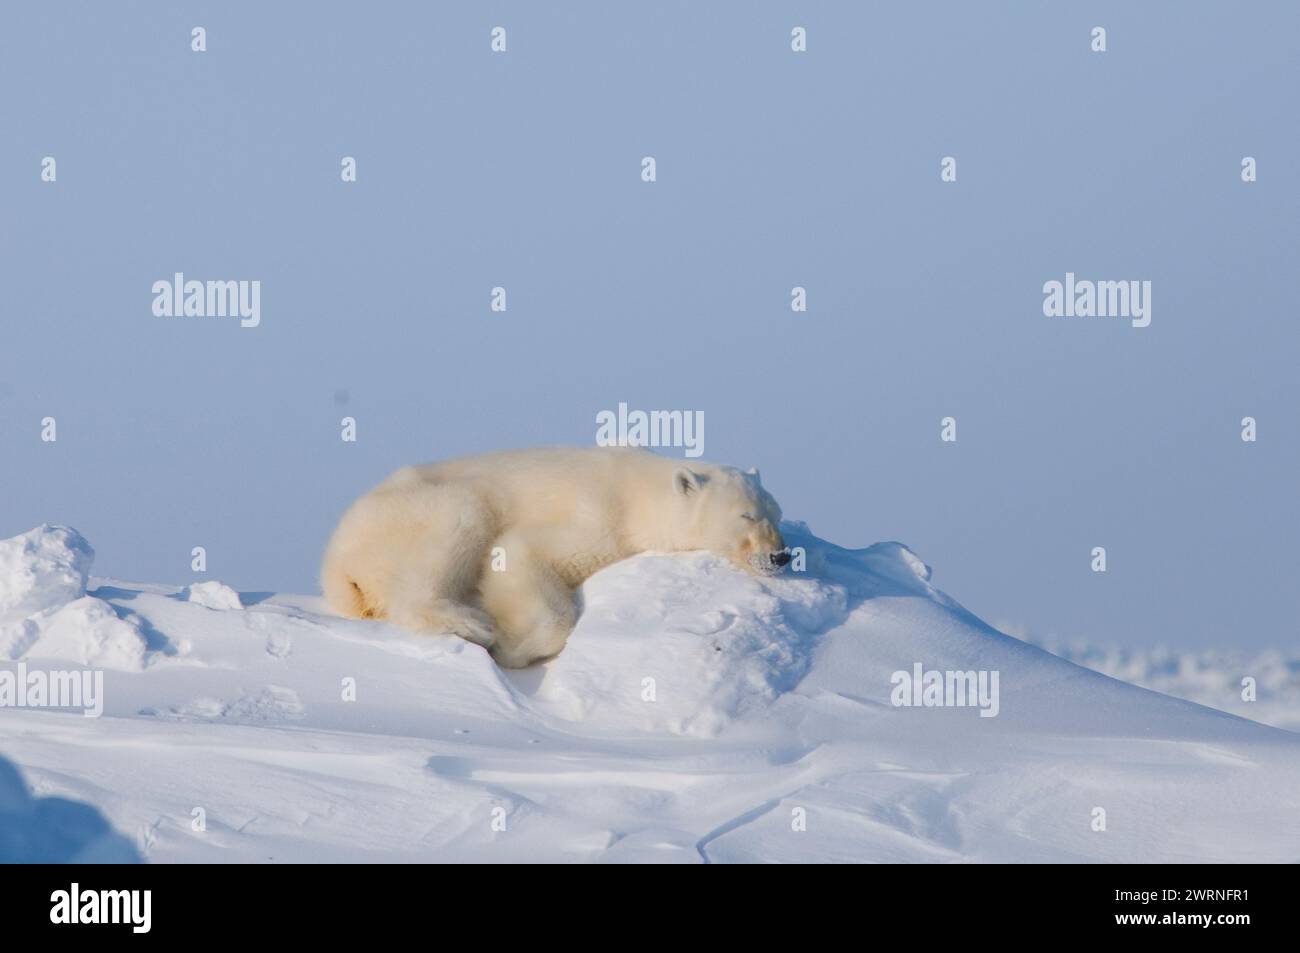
212	595
1213	677
51	830
42	570
698	713
44	609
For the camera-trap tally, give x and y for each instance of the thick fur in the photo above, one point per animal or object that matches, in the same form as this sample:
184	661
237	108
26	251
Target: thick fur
491	548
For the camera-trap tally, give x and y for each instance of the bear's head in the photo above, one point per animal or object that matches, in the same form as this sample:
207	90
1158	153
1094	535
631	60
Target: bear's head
727	512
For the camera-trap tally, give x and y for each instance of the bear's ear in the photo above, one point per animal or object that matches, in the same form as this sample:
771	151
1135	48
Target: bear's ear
685	482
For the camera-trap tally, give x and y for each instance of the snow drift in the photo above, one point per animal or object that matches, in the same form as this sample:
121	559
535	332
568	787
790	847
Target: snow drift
54	830
1210	677
697	714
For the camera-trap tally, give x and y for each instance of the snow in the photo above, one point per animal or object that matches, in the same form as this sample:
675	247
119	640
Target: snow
54	830
42	570
697	714
43	600
1210	677
212	595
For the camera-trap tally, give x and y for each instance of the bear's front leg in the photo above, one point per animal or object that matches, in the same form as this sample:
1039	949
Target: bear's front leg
533	607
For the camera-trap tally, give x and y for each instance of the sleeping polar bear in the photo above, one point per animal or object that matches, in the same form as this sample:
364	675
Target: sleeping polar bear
491	548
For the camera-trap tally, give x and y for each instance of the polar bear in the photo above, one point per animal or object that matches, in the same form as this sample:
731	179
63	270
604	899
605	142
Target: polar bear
491	548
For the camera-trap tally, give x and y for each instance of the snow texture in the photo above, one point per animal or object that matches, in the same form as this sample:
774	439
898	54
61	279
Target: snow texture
54	830
697	714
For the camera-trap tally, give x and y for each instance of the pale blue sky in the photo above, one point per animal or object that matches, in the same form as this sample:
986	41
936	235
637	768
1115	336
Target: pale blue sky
775	169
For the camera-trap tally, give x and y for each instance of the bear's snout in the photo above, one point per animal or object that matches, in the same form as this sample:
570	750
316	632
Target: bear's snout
780	559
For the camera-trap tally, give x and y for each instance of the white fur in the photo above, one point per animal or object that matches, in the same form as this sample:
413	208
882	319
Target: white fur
420	548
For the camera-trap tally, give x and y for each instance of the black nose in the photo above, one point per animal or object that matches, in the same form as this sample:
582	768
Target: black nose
780	559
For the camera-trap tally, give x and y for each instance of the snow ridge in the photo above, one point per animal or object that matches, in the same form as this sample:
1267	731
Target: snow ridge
698	714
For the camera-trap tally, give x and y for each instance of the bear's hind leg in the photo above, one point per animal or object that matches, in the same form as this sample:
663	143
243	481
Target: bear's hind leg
434	588
533	607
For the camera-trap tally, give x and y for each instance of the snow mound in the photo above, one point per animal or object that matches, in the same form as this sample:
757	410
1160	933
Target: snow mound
1213	677
697	714
45	612
212	595
53	830
42	570
90	632
705	646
